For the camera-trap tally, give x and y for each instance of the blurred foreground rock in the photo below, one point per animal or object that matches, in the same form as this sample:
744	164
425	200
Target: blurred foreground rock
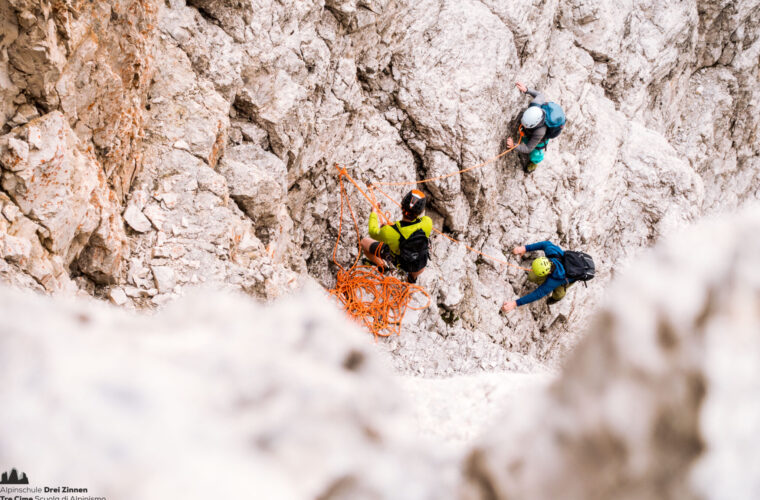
216	125
214	397
661	399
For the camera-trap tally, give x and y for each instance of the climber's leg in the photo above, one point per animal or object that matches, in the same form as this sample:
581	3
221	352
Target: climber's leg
412	277
558	294
536	156
373	250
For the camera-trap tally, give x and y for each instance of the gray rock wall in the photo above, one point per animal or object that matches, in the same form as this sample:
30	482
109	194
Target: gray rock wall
76	74
660	398
288	400
217	125
214	397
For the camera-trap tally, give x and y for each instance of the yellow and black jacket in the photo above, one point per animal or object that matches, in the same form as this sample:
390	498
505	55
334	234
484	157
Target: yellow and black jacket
391	237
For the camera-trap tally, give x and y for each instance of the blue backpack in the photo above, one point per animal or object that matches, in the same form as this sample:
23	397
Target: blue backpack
554	119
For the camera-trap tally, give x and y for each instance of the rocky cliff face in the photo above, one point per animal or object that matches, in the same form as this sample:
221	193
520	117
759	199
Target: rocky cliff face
290	401
189	142
213	397
660	399
149	147
73	81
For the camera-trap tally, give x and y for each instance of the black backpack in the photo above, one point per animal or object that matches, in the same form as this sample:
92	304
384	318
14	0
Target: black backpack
413	251
579	266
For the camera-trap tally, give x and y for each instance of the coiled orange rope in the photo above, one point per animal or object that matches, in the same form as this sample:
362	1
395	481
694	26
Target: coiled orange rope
377	300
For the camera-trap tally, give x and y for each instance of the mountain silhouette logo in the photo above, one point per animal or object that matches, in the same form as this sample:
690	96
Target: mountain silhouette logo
13	478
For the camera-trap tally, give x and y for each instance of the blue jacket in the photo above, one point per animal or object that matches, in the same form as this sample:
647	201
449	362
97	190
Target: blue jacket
555	279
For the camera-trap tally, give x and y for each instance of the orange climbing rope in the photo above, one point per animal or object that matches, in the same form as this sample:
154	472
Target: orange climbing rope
458	172
377	300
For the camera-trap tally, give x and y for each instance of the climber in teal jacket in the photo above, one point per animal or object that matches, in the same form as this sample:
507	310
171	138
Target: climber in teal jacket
548	272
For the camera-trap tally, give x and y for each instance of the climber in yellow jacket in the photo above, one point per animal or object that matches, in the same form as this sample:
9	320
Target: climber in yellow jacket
405	242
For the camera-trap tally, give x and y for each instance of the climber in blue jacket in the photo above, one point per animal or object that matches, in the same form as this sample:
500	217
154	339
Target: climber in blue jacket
548	272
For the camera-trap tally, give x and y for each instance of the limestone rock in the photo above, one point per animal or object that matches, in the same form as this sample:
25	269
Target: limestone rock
212	52
156	216
211	181
191	112
164	278
15	153
11	212
659	399
53	185
16	249
257	181
202	236
103	257
136	219
280	395
64	190
233	17
222	124
187	104
89	61
118	296
8	89
24	115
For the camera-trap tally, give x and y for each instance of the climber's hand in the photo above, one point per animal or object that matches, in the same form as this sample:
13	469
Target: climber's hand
522	88
510	142
518	250
508	306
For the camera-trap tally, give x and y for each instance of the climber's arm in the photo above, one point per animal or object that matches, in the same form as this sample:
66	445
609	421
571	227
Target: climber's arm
538	97
536	136
374	227
543	290
541	245
384	233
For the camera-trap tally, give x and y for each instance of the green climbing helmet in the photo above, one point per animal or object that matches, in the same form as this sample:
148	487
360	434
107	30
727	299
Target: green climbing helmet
541	267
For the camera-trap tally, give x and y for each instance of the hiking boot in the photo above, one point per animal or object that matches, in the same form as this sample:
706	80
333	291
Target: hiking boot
529	168
366	262
411	279
551	300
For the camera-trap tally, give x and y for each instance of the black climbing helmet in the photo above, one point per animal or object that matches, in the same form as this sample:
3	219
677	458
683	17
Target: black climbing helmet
413	204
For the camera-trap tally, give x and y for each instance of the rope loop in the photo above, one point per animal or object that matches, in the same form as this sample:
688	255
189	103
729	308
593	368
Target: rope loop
376	300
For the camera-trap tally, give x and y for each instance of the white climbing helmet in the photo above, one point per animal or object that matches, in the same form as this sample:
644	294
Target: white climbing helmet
532	117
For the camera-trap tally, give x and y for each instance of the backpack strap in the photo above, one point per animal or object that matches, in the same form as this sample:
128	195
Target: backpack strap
397	226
